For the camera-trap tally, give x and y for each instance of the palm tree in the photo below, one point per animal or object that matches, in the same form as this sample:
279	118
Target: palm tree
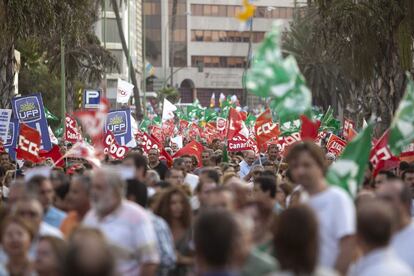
128	58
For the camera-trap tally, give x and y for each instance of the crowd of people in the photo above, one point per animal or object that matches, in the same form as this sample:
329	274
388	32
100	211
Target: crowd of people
272	214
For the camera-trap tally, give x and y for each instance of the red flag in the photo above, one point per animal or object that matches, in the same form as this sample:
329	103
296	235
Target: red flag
351	134
265	129
381	156
168	128
148	142
93	122
2	149
29	144
234	123
72	133
193	148
55	154
348	125
335	145
111	146
156	131
83	150
309	129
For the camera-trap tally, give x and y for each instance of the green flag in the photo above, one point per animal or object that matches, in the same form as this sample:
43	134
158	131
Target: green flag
225	155
59	132
402	126
348	171
279	78
50	115
144	124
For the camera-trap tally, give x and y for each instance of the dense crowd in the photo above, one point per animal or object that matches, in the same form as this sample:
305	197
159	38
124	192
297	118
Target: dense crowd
254	215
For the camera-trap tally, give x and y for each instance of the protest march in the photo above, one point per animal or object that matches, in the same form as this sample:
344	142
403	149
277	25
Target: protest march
287	188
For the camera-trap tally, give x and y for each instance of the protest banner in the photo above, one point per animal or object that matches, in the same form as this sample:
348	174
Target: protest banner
12	136
5	115
30	110
112	148
335	145
119	123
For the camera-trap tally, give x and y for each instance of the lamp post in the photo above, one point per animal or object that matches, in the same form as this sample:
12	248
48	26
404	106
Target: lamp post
171	53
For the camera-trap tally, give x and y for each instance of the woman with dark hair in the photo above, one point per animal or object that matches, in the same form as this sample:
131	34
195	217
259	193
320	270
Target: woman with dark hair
16	238
174	207
296	245
50	256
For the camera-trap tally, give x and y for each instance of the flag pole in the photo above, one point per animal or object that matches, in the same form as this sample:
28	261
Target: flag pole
278	166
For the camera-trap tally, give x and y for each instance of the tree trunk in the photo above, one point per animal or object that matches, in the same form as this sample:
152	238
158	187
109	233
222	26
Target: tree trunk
128	58
70	96
7	73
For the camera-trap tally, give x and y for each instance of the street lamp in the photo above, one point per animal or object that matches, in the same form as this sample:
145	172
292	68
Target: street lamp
171	53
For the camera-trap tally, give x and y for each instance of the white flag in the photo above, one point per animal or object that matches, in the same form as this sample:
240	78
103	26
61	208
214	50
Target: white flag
178	140
52	136
168	109
124	91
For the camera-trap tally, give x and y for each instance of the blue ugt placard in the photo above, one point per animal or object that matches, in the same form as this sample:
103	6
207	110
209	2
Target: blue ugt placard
119	123
12	135
29	110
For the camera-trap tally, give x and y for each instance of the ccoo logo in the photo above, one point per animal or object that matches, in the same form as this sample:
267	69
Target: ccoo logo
28	109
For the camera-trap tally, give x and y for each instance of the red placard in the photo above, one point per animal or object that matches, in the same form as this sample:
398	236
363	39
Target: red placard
335	145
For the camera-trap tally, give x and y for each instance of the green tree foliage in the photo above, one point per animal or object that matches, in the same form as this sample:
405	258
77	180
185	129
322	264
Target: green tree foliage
35	28
355	53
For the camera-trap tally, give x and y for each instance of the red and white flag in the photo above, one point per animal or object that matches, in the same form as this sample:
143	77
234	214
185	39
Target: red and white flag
335	145
381	156
83	150
72	133
93	122
55	154
349	125
265	129
235	124
112	148
28	146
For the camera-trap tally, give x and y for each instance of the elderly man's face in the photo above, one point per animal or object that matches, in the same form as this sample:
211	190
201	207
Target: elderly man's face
249	158
103	198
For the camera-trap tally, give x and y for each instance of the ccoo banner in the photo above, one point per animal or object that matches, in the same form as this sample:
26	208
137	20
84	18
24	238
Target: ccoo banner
29	110
119	123
12	136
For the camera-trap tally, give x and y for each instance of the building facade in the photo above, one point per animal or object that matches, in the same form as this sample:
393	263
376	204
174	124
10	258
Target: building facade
198	47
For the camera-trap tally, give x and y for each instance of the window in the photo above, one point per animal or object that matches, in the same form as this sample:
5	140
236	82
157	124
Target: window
283	12
119	57
215	36
207	10
214	10
218	62
207	35
231	11
289	13
222	36
197	9
111	30
222	10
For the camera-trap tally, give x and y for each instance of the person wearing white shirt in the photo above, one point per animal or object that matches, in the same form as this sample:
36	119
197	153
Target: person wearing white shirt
374	231
396	192
333	207
246	164
126	225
